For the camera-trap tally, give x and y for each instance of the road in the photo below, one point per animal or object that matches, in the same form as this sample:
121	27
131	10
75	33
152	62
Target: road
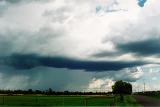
147	101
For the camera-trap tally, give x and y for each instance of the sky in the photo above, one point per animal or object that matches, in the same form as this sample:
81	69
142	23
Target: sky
79	45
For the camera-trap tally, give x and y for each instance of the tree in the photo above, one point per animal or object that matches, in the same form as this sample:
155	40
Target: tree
30	91
121	87
49	91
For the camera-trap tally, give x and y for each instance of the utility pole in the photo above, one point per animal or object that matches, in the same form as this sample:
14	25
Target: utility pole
144	86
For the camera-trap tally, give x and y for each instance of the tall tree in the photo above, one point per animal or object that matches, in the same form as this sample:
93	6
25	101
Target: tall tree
121	87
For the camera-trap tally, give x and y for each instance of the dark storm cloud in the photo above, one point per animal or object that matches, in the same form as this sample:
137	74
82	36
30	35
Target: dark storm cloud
144	48
56	78
31	61
149	47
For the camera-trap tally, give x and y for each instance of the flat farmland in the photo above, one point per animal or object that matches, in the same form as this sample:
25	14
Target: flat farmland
56	100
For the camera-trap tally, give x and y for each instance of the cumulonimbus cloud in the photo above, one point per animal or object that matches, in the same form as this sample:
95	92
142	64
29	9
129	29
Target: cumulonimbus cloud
53	38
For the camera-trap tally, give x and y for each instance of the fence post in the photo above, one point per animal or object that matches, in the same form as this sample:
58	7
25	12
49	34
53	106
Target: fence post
63	101
115	100
85	102
36	100
3	100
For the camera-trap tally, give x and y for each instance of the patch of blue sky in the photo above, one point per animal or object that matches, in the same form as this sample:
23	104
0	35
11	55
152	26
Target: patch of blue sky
98	8
141	3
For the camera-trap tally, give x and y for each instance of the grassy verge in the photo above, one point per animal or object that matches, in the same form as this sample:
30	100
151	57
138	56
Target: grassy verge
128	101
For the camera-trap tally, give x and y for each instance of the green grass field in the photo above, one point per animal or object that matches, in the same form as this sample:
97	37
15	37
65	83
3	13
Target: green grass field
66	101
128	101
55	101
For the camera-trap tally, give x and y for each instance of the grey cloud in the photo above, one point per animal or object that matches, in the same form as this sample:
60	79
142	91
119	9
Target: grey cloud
58	15
112	6
129	74
58	79
12	1
5	4
106	54
20	61
147	47
44	78
14	41
138	39
37	33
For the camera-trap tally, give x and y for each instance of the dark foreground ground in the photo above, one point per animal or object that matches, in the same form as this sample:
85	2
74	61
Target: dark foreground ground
147	101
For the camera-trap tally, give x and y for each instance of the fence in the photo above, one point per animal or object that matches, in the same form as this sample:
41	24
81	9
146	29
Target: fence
57	100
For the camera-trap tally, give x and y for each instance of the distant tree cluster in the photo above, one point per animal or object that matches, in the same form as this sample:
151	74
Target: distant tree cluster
49	92
121	87
149	93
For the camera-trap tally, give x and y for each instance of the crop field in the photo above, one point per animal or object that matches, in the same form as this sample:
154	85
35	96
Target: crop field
56	100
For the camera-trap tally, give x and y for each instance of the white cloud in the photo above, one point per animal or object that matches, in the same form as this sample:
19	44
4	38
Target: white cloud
72	24
100	85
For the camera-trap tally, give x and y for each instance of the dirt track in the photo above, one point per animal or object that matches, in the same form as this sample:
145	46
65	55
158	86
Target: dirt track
147	101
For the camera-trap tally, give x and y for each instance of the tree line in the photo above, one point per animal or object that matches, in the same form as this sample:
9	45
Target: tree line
49	92
120	87
149	93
